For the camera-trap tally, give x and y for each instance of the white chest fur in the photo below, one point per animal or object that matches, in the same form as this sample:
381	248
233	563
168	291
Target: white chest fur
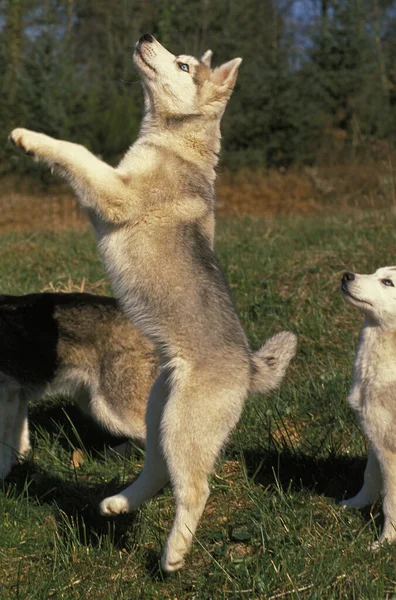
374	385
375	358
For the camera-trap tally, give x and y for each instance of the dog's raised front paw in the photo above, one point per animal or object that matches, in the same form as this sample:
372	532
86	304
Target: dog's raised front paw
23	139
114	505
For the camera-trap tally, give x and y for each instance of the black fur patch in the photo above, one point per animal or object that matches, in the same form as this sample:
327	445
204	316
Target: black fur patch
30	327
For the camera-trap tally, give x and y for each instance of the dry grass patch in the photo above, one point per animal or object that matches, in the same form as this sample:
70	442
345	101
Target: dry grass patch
29	210
266	193
29	205
289	433
306	191
66	285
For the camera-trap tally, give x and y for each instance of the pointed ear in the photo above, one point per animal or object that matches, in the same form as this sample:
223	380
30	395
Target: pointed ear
206	58
226	75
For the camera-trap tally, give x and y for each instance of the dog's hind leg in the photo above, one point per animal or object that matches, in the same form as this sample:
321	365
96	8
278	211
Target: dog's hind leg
21	441
372	484
5	464
155	473
197	421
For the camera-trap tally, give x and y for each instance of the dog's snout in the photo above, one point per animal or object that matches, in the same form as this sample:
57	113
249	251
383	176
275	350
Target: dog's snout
147	37
348	277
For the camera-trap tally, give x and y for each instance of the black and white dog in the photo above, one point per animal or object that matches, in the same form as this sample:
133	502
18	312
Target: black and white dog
79	344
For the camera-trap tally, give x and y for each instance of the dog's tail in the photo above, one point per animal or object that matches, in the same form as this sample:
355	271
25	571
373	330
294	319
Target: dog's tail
271	361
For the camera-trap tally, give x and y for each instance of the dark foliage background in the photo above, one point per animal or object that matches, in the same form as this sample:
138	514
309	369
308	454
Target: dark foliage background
317	85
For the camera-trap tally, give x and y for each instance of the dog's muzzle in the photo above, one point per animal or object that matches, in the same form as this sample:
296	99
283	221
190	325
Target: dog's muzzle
345	279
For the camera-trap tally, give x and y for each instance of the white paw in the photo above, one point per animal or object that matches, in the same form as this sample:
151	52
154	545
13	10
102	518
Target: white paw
354	503
171	563
375	546
114	505
24	452
23	139
385	539
347	503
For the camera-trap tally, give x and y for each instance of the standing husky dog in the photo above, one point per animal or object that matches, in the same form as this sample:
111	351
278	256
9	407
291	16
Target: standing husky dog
154	219
373	392
78	344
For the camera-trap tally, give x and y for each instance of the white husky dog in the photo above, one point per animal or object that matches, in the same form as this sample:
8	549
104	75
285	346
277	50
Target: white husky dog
373	392
154	219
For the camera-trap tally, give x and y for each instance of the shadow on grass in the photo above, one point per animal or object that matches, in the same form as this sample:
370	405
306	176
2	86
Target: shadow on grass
76	428
75	504
335	476
75	495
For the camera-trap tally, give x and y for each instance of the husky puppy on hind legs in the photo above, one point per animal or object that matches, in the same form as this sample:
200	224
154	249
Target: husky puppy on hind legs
154	220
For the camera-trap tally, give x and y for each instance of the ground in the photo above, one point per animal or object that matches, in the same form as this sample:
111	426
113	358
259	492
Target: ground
272	527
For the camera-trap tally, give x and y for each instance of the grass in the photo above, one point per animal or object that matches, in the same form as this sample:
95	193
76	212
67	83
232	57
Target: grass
272	527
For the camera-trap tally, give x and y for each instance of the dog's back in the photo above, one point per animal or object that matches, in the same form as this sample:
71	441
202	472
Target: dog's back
78	344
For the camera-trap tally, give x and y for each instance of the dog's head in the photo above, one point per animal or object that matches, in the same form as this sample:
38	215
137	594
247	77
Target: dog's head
183	86
374	294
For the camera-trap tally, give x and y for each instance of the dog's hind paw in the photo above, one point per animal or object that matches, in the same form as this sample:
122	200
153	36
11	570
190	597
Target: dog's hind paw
173	558
171	566
114	505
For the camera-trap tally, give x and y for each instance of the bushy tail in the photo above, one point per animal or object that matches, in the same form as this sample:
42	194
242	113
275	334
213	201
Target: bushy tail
271	361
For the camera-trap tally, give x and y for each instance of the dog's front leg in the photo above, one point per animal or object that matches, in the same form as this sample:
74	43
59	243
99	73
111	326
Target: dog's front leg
98	186
372	484
21	440
387	460
9	404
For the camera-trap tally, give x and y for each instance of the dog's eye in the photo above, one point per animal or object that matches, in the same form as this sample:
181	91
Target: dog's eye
388	282
184	67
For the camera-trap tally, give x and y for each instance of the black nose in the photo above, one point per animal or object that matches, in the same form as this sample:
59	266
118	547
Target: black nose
348	277
146	38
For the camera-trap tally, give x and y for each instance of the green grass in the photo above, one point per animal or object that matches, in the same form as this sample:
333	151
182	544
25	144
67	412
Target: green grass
272	527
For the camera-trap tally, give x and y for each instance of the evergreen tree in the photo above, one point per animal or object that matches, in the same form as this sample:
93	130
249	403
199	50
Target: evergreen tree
317	81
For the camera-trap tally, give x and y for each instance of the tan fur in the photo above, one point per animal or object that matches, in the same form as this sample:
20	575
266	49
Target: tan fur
78	344
154	219
373	392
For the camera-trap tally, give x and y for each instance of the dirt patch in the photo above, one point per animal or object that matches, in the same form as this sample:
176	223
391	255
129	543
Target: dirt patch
28	205
48	212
